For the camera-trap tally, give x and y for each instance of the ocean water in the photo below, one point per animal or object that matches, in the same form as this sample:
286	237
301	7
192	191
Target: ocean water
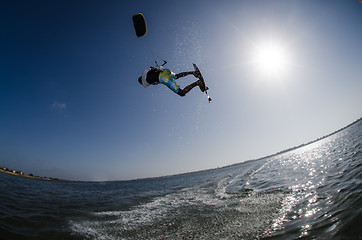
313	192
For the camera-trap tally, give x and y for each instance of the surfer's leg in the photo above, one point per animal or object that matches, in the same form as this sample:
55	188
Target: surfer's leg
184	74
188	88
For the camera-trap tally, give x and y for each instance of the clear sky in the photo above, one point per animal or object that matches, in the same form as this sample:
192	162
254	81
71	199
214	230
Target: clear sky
281	73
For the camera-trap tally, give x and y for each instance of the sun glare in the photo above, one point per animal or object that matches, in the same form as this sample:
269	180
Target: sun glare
271	59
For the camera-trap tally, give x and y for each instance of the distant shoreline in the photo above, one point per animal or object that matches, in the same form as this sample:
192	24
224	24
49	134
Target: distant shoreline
311	142
31	176
24	175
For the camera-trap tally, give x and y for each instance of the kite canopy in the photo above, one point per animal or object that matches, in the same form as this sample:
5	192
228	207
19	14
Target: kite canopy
139	23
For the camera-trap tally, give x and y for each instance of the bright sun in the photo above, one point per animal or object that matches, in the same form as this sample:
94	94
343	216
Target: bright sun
271	59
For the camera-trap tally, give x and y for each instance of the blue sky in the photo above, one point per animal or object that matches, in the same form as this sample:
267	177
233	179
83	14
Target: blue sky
71	106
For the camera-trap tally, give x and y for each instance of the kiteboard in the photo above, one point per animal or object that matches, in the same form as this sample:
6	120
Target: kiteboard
203	86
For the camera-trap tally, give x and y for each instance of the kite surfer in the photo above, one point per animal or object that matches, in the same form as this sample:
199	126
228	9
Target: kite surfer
157	75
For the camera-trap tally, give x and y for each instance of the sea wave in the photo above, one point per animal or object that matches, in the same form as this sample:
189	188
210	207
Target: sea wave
313	192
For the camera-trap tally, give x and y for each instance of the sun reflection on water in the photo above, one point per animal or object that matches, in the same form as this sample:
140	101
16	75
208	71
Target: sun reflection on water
306	172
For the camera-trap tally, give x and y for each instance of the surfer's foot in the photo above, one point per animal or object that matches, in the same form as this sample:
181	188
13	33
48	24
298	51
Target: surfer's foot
197	74
202	87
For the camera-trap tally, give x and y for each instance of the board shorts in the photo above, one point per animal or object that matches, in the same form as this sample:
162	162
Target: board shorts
168	78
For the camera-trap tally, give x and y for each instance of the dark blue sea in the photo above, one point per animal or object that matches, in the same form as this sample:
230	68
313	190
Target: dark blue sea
312	192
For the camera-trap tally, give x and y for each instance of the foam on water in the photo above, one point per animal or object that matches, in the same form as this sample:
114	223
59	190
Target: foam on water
205	211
